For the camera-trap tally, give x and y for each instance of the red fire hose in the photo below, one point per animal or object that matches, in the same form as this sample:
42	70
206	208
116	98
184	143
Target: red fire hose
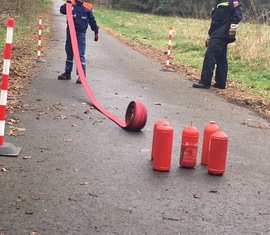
136	113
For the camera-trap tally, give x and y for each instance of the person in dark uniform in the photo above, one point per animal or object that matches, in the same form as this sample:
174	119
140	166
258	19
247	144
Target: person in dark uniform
83	16
226	15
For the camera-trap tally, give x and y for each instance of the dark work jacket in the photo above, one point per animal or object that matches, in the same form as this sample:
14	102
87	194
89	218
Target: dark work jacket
82	15
225	13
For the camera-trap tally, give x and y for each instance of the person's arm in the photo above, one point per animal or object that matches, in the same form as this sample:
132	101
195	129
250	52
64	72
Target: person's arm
238	12
93	25
237	17
63	9
92	22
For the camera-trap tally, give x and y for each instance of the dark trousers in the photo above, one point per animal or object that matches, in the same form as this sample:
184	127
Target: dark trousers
216	55
69	51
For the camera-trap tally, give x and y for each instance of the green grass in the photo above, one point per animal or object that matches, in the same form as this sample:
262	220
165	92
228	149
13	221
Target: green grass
26	28
248	57
43	3
2	37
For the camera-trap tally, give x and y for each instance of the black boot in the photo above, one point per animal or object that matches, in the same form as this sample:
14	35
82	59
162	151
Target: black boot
64	76
78	80
200	85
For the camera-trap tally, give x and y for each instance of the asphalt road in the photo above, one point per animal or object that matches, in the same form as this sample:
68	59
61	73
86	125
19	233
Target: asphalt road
85	175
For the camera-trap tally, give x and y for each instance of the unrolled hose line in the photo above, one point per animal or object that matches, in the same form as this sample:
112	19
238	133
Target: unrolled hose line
136	113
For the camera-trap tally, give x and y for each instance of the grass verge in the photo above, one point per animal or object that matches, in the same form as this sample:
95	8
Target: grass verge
24	49
249	66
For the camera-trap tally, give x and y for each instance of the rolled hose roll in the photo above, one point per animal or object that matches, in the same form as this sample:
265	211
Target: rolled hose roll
136	113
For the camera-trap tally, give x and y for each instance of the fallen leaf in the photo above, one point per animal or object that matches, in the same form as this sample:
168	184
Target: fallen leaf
35	232
72	199
19	129
213	191
62	117
13	121
97	122
170	218
27	157
57	168
11	133
29	212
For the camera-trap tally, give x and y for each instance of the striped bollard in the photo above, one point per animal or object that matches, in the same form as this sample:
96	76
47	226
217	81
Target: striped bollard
168	67
39	40
6	149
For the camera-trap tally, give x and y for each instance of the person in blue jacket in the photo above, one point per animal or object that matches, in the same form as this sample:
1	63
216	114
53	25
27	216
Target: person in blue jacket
83	16
226	15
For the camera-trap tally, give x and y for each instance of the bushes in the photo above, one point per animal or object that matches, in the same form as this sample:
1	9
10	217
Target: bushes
17	8
255	10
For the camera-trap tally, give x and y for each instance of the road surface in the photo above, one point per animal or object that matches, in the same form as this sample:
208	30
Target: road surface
79	173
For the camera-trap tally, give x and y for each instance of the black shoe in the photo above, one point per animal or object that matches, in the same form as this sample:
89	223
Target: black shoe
78	80
217	86
64	76
200	85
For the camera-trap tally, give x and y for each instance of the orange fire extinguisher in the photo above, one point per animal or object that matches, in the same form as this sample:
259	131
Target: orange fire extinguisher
210	129
163	148
217	153
189	147
156	124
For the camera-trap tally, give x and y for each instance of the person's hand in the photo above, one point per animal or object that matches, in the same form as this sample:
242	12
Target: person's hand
96	37
207	41
232	30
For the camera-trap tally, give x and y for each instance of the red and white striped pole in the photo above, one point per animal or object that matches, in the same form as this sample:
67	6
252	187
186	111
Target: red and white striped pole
5	78
168	67
6	149
39	37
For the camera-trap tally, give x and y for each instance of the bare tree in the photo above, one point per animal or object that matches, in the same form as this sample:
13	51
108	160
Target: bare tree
16	8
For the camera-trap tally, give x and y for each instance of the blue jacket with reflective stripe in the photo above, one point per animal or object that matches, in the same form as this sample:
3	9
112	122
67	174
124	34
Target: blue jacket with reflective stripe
225	13
83	16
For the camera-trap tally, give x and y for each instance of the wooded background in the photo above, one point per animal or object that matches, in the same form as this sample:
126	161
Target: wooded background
254	10
17	8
